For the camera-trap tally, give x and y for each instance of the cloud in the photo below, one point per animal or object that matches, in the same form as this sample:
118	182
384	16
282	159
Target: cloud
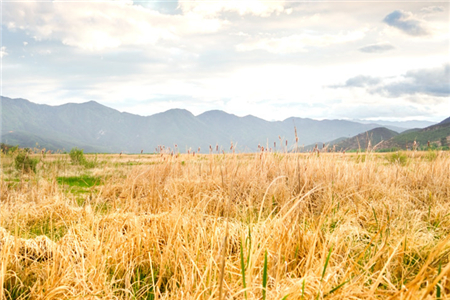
406	22
97	26
3	51
299	43
361	81
432	9
376	48
358	81
433	83
249	7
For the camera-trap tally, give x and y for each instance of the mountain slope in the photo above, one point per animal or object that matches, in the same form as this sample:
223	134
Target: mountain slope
311	131
361	141
357	142
446	121
432	134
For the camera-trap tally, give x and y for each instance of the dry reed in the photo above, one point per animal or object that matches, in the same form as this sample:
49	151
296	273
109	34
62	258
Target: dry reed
191	227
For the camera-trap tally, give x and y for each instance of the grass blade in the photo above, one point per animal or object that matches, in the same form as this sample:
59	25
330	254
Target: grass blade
326	263
438	286
336	288
303	289
243	269
265	276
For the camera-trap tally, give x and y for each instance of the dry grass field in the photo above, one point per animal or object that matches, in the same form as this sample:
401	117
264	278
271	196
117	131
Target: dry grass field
234	226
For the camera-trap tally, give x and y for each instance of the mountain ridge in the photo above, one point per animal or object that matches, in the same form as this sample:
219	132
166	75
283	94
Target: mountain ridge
104	129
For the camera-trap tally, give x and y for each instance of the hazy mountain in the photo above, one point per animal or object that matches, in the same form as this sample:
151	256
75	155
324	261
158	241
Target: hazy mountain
311	131
399	126
98	128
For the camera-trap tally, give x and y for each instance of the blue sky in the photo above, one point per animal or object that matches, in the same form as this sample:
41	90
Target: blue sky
271	59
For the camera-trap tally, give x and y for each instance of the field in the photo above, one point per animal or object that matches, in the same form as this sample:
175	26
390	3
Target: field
232	226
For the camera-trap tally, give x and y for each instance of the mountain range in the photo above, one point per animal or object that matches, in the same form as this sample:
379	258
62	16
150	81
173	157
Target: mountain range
97	128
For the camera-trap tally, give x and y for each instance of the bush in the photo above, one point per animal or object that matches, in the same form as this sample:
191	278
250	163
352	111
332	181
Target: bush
431	155
398	157
24	163
8	149
77	156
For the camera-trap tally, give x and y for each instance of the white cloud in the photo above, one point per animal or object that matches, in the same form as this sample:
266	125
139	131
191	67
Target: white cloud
427	86
432	9
3	51
200	55
300	42
252	7
99	25
406	22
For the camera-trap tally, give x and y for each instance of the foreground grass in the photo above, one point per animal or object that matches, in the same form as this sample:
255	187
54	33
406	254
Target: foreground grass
263	226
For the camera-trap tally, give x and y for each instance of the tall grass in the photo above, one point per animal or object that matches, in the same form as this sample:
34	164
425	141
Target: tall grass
242	226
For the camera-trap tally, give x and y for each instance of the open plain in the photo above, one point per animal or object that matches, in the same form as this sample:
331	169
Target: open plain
227	226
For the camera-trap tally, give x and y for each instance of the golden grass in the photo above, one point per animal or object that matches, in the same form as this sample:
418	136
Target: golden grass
193	227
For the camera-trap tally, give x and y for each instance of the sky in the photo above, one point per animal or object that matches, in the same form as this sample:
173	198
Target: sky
366	60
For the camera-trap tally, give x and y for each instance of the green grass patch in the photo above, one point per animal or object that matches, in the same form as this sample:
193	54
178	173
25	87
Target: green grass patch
47	226
84	181
80	186
15	289
398	158
12	183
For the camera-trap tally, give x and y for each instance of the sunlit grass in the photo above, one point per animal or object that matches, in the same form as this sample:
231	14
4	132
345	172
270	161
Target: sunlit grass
250	226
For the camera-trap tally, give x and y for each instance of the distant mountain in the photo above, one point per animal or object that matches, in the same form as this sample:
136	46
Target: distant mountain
249	131
433	134
399	126
97	128
93	126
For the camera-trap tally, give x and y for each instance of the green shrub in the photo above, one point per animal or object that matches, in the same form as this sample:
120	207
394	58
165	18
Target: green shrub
93	163
25	163
8	149
398	158
361	158
431	155
77	156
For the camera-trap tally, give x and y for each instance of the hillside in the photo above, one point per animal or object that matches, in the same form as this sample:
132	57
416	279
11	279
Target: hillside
359	141
446	121
97	128
433	134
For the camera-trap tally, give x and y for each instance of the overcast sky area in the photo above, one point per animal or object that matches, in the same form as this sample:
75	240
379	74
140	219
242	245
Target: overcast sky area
322	60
